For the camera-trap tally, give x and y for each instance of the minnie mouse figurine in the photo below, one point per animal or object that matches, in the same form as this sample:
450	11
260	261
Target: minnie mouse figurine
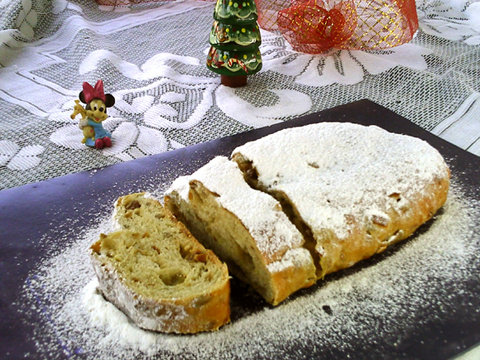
94	135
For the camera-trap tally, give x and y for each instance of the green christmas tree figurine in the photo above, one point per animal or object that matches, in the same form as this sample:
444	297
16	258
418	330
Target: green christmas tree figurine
234	40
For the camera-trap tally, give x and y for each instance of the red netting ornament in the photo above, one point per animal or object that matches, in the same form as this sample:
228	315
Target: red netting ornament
315	26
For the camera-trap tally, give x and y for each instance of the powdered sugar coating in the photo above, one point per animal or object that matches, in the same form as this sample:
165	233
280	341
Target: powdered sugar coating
261	214
181	186
335	170
293	258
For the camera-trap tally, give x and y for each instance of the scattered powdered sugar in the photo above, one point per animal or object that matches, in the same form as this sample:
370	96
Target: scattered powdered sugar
106	315
372	307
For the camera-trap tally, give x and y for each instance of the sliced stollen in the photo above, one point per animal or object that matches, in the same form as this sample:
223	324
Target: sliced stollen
157	273
352	190
246	228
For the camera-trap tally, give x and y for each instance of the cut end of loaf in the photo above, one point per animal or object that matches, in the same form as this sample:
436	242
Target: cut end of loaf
158	274
157	269
246	228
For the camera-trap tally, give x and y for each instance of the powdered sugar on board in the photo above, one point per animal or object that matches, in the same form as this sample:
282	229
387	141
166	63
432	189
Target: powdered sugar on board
372	307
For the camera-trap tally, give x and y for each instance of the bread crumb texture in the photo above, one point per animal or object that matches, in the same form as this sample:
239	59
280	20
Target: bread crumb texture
156	271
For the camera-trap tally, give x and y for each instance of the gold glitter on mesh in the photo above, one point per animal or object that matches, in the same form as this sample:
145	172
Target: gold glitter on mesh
315	26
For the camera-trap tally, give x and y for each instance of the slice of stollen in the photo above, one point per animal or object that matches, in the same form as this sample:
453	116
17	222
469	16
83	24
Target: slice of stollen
244	227
352	190
157	273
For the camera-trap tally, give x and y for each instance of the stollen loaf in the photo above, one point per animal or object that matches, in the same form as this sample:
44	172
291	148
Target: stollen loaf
351	190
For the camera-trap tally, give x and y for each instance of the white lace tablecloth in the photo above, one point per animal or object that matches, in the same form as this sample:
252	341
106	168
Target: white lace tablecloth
152	59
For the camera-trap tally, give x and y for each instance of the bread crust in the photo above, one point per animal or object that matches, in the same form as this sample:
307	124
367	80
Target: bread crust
206	310
372	237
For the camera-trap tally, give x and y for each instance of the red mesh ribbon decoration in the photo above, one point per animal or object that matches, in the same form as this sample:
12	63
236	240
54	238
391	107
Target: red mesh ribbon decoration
315	26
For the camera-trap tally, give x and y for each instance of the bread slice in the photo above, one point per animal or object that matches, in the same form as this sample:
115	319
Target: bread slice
352	190
244	227
157	273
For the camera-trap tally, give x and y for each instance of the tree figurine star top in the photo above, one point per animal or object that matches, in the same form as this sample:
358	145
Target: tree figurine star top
235	41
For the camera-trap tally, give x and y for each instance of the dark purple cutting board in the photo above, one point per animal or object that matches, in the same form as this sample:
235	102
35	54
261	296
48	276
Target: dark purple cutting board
30	211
